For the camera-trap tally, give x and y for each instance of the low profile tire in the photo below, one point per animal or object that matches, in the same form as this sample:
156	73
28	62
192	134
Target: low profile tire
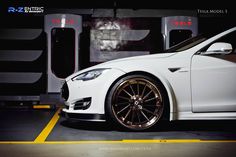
135	102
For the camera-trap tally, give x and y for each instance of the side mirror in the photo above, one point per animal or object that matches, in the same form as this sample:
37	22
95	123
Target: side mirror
219	48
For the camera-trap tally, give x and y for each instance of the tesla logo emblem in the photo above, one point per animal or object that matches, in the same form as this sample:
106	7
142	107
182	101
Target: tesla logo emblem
60	21
181	23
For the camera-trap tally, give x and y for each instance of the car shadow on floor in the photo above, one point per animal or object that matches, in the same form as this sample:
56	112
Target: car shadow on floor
196	125
84	125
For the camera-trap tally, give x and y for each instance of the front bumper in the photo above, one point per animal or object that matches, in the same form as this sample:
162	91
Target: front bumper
82	116
88	97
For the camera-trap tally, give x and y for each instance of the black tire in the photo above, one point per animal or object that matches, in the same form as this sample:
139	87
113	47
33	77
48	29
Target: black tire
135	102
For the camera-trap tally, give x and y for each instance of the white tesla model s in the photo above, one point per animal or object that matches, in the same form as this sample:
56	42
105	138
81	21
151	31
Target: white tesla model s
195	79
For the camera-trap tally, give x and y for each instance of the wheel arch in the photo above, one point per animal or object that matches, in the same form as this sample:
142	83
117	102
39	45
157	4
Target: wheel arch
163	82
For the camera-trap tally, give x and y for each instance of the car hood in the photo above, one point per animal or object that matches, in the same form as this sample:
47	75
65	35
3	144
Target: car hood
143	57
114	63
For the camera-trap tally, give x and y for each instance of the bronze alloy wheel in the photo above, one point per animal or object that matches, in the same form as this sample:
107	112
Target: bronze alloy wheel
137	103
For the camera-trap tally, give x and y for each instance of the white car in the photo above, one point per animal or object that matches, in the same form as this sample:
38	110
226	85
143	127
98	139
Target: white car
195	80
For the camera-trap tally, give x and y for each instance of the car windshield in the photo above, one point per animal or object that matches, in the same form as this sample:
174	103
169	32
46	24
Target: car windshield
186	44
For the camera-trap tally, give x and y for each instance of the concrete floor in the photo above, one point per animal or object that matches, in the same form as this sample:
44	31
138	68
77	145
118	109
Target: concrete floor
20	128
23	124
120	150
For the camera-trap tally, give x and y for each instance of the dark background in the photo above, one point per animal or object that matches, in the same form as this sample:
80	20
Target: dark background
210	21
135	4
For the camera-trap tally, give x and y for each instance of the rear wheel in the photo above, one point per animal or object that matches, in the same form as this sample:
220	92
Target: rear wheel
135	102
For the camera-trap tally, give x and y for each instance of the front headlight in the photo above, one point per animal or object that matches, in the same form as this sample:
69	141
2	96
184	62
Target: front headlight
89	75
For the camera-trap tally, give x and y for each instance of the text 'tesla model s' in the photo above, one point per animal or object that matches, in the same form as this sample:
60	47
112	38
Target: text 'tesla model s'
194	80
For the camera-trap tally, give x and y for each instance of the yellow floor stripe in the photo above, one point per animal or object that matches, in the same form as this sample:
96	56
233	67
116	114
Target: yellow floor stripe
120	142
141	141
46	131
163	141
41	107
176	141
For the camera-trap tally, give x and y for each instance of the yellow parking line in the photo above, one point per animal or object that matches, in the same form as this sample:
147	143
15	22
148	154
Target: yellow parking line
176	141
164	141
120	141
41	107
46	131
142	141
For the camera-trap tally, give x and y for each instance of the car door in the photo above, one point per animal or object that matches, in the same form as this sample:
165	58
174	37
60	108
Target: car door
213	79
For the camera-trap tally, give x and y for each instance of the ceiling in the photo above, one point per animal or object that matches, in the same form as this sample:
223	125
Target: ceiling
132	4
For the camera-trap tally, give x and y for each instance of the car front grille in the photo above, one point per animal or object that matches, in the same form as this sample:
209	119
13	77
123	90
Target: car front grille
83	104
65	91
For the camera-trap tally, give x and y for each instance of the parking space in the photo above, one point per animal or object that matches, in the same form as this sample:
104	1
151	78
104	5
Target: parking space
41	132
35	125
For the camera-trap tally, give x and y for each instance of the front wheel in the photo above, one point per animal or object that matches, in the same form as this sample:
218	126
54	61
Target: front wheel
135	102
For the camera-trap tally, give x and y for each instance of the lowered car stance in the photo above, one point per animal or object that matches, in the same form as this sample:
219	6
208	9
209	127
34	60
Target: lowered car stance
194	80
